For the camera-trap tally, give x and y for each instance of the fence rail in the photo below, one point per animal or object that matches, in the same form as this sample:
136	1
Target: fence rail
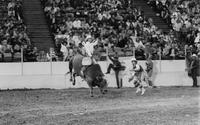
100	55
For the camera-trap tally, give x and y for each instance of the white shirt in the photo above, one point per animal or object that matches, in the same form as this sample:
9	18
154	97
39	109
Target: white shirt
77	24
177	26
188	24
76	39
1	48
63	49
100	16
137	68
47	9
61	36
89	47
197	39
11	4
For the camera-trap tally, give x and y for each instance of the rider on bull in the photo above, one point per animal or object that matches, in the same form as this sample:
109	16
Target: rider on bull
88	45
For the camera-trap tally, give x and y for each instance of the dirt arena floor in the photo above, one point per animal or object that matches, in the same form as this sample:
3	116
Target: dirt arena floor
158	106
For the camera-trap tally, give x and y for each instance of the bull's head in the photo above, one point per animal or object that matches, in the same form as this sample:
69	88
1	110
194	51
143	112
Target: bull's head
102	84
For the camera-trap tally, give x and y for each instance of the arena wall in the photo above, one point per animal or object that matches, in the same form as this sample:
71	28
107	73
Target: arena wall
52	75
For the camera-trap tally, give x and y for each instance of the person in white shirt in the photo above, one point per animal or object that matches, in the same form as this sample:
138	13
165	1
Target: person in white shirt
187	24
77	24
197	39
89	45
64	50
100	16
89	49
137	76
11	4
76	39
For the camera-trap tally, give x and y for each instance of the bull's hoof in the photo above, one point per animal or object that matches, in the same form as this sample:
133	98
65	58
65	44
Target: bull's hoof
91	95
70	79
73	83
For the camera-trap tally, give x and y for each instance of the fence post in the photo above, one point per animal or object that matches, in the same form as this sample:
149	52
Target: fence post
50	54
22	61
160	59
186	65
133	51
107	54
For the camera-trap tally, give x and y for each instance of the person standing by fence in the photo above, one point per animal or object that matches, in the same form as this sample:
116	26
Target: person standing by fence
116	66
149	70
193	69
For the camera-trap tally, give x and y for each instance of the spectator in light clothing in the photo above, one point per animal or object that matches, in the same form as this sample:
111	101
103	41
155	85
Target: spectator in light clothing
52	55
197	39
64	50
77	24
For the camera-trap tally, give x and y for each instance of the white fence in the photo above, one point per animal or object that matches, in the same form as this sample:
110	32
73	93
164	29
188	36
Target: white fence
51	74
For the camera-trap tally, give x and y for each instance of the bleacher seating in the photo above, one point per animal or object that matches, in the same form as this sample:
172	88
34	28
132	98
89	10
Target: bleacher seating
110	20
13	33
117	24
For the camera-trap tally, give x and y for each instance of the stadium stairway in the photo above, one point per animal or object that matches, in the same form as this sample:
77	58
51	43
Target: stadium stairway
37	26
148	12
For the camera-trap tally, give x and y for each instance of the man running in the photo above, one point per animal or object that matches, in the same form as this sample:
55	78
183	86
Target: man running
137	76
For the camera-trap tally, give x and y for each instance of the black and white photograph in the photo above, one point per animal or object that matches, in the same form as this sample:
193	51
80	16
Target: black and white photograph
99	62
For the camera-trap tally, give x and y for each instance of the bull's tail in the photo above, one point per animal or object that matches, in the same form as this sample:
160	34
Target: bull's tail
67	73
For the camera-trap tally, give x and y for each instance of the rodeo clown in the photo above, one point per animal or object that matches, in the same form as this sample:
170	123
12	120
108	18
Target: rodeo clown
138	76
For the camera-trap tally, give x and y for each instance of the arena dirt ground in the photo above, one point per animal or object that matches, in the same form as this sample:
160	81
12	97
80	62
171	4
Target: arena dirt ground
159	106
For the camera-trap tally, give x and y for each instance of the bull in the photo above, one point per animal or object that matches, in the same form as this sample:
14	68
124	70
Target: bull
92	74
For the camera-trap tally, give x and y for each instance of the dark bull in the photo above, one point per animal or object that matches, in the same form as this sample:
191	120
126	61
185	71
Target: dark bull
93	74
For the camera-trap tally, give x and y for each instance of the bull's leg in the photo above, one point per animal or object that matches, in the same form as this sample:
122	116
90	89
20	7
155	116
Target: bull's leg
101	90
71	77
117	78
74	79
143	90
71	70
91	88
91	91
121	83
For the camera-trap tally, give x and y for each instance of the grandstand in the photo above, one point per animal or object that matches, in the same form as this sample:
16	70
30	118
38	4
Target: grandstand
159	27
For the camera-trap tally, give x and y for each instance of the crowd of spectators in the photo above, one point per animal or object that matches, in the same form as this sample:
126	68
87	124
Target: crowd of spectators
13	31
117	24
184	18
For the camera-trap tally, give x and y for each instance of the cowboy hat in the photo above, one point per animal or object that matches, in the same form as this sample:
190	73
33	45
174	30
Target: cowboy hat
88	37
194	55
133	59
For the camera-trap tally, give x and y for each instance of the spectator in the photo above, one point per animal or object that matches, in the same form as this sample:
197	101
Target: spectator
42	57
194	69
113	22
64	50
12	29
52	55
149	70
